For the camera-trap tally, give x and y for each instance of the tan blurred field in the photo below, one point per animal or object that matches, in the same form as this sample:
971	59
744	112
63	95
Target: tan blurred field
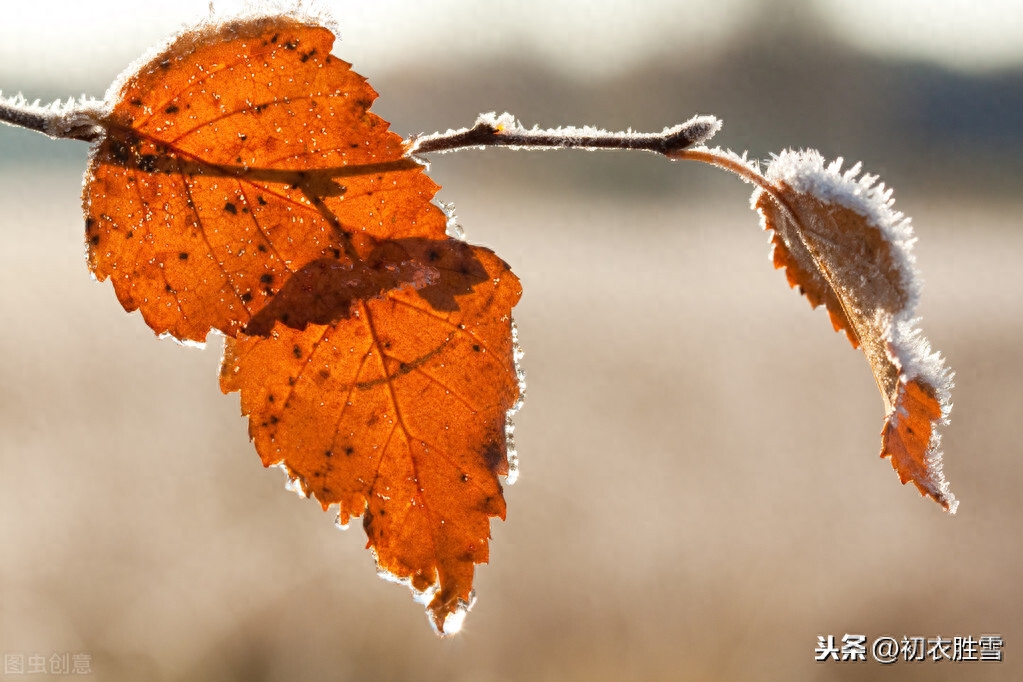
700	492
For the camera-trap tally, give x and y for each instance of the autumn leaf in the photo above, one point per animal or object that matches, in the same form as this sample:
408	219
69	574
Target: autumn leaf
242	185
397	413
843	246
231	160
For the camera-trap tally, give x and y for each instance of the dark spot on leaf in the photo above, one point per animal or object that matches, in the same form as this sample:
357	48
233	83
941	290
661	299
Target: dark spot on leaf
183	256
266	278
328	453
275	37
476	347
349	450
136	102
493	455
296	351
119	150
129	234
94	240
261	248
172	109
270	397
147	163
246	297
261	200
324	374
274	419
231	208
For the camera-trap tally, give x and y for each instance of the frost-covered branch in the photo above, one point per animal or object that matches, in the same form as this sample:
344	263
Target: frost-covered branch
491	130
71	120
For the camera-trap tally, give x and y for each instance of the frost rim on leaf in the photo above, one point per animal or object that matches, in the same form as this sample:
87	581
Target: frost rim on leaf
216	22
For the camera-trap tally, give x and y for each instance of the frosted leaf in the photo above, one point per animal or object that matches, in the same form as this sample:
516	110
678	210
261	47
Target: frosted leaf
843	245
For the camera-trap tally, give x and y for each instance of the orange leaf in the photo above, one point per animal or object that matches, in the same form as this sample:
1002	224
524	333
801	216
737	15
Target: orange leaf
398	412
231	160
242	185
841	243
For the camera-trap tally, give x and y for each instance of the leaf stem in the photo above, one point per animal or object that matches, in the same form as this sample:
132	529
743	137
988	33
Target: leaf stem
491	130
726	161
738	165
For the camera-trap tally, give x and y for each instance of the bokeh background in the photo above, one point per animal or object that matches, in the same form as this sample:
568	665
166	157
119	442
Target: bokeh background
700	494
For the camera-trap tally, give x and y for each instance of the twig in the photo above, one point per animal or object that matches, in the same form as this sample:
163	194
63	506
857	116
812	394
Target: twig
85	120
82	120
491	130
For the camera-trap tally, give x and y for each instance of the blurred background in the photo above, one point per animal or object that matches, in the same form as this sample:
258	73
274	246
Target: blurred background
700	494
